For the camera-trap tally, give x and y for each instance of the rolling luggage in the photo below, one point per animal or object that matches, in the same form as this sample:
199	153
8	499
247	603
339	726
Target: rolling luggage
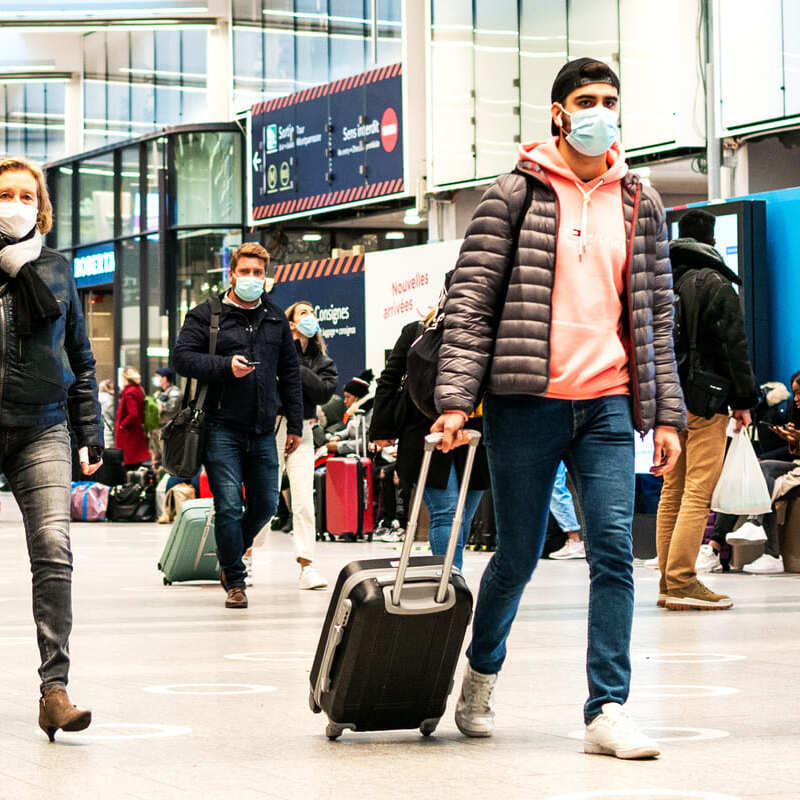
348	494
394	632
319	502
190	553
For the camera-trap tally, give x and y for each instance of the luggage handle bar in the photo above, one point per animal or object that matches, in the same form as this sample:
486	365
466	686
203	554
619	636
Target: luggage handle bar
431	441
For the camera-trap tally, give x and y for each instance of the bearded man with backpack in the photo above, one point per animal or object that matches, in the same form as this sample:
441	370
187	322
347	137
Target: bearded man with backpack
715	372
563	312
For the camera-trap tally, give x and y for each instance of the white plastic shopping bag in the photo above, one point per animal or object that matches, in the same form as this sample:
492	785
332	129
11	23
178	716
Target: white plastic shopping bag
741	488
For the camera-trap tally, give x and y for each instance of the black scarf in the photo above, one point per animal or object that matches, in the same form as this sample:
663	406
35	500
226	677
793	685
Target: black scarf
34	303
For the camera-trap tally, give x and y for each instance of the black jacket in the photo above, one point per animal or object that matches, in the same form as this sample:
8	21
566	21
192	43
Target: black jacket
410	426
49	376
249	403
319	375
721	337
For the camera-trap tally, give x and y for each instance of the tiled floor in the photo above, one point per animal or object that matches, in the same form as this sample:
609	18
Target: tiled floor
720	690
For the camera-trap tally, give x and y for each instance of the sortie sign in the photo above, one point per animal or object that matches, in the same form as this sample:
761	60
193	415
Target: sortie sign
327	146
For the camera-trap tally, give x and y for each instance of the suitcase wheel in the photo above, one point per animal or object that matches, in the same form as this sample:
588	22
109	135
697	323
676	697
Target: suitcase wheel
312	703
333	731
167	583
428	726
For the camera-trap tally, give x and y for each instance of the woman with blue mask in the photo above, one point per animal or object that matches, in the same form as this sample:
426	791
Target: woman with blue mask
318	373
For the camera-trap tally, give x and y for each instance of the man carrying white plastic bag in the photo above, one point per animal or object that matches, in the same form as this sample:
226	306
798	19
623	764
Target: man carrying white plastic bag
716	379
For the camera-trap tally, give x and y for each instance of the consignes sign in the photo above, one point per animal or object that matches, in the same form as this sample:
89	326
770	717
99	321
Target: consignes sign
94	266
327	146
335	287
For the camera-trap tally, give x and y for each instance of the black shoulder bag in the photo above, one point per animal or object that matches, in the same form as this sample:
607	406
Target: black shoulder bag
184	436
423	356
705	392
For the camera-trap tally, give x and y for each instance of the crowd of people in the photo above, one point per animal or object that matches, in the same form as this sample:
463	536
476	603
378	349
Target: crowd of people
558	368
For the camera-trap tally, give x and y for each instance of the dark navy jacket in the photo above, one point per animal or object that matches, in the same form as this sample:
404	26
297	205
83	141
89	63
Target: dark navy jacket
250	403
49	375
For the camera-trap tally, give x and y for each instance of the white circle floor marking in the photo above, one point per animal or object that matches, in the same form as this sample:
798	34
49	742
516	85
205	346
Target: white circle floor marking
688	658
664	733
682	690
211	688
128	730
272	657
650	794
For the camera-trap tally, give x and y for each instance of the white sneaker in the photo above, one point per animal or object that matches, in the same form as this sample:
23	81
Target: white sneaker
707	560
393	534
766	565
474	715
614	733
311	579
749	532
571	549
248	570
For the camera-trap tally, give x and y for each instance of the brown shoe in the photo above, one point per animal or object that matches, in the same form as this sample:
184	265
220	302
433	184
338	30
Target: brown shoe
236	597
697	597
56	711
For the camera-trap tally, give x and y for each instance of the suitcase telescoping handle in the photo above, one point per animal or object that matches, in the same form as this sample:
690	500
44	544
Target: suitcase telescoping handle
431	441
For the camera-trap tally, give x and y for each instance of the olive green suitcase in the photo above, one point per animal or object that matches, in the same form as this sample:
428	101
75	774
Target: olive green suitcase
190	553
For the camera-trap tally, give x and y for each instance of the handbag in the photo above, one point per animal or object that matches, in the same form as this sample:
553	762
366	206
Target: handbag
183	437
705	391
423	355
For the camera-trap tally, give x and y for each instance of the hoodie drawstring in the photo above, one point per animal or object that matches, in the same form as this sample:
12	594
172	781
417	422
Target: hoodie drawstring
585	215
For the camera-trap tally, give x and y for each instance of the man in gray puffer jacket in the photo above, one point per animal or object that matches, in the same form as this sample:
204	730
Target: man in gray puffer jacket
574	354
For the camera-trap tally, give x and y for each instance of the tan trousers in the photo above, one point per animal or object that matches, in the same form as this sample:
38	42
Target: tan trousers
686	500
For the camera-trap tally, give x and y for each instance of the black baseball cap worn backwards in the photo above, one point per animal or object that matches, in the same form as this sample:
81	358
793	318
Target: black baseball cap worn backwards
577	73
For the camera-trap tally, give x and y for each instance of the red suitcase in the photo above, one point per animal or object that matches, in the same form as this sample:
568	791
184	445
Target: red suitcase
348	496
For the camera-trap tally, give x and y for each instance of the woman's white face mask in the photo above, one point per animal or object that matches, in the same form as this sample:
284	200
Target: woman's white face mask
17	219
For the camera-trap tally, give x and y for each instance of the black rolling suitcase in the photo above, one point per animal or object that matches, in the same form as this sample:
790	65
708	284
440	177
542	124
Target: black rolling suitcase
394	632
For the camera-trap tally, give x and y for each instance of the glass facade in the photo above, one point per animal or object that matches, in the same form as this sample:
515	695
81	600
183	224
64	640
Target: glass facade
283	46
135	81
32	117
169	208
208	178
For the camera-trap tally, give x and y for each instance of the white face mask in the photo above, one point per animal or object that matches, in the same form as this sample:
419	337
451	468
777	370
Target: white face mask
17	219
156	380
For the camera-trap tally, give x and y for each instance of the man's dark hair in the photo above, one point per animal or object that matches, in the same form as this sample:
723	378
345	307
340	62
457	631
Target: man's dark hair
577	73
697	224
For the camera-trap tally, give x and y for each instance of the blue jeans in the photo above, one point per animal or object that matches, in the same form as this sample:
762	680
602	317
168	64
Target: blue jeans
441	505
525	438
562	506
233	458
38	465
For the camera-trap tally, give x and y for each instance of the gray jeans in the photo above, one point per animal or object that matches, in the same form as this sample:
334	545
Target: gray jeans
36	462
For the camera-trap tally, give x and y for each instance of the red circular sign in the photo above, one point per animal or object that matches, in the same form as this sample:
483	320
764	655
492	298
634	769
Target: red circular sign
390	130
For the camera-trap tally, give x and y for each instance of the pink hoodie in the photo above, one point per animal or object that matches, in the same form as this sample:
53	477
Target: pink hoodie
587	356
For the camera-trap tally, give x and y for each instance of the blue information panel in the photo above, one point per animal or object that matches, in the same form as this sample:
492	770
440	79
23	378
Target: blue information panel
327	146
94	266
335	287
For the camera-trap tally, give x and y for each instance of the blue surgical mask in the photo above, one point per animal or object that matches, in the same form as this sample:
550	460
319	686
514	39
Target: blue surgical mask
593	130
248	289
308	326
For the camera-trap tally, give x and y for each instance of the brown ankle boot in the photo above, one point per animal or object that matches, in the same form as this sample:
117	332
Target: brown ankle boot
56	711
236	598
